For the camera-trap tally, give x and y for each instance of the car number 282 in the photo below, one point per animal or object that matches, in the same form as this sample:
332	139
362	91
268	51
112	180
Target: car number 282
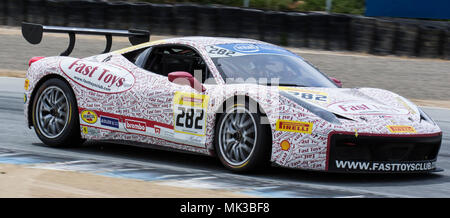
189	118
189	113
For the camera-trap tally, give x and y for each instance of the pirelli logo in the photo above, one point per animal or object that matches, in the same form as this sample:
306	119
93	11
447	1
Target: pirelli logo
294	126
401	129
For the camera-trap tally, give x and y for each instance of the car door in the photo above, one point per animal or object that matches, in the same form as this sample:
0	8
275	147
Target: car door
169	111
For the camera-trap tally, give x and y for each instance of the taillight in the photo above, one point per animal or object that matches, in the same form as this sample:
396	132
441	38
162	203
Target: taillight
34	59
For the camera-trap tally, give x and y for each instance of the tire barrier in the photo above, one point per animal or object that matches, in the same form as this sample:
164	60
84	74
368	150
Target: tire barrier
383	43
15	12
207	20
318	31
3	12
274	28
228	22
339	32
118	15
161	21
56	15
380	36
446	50
97	15
430	41
77	13
406	39
34	10
251	23
140	15
185	17
297	29
362	33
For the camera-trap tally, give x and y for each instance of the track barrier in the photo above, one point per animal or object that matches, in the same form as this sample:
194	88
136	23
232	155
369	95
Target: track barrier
340	32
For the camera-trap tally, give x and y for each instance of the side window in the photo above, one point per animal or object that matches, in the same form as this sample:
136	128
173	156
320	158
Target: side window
167	59
142	58
132	56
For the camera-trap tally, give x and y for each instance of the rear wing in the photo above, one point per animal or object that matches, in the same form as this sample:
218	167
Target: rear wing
33	34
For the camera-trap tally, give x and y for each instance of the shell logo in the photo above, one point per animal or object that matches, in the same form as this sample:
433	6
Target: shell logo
285	145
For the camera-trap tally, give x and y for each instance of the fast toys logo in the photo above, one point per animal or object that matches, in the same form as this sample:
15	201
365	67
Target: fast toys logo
365	108
361	107
96	76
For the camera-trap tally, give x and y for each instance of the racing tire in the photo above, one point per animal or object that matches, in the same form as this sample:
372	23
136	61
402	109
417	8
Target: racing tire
241	142
55	114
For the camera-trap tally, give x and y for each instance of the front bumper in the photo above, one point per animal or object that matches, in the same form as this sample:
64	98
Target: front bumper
382	153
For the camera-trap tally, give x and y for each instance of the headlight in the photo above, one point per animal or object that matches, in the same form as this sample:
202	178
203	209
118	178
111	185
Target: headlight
322	113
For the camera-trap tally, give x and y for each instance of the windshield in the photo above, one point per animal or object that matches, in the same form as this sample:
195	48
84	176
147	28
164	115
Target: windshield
265	64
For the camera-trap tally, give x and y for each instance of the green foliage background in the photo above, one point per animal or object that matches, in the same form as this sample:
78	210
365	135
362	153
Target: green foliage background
339	6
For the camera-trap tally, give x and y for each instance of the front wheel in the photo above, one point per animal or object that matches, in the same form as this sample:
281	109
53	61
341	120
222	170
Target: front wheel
55	115
242	143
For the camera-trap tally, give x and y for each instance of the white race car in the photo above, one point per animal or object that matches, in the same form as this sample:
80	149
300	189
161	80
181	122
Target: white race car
248	102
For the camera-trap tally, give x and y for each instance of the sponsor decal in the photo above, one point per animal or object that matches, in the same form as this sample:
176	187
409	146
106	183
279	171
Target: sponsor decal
240	49
89	116
294	126
90	130
385	167
85	130
365	108
308	95
189	113
27	84
246	48
135	125
215	51
108	121
356	107
285	145
401	129
191	101
98	77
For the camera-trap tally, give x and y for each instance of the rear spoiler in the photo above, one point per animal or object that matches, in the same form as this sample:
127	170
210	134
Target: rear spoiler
33	34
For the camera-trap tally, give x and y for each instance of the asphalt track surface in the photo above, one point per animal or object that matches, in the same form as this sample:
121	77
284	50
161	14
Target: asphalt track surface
19	145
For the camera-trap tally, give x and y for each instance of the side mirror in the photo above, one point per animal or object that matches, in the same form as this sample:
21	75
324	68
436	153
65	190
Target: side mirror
338	82
185	78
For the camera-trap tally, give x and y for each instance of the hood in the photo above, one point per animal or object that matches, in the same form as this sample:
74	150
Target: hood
356	102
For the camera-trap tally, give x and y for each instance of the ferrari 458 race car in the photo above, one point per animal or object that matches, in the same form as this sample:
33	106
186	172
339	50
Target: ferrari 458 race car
248	102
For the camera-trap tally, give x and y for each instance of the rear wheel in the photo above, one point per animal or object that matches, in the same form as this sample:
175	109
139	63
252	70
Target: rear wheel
54	114
242	143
